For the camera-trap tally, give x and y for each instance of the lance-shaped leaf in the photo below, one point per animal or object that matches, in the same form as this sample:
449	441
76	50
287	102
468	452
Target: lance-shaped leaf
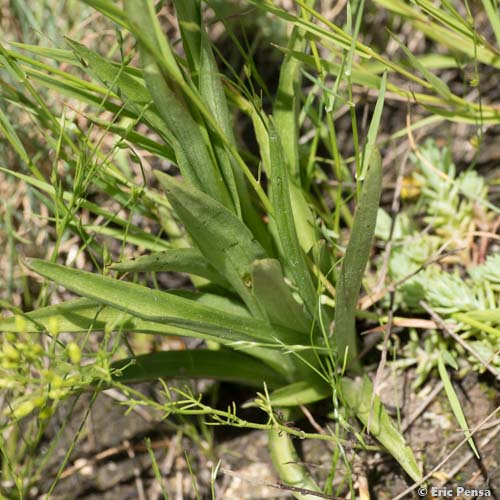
200	363
288	464
371	137
84	315
354	263
162	307
165	92
81	315
453	398
181	260
131	88
357	395
220	235
276	297
206	77
138	98
295	259
300	393
286	106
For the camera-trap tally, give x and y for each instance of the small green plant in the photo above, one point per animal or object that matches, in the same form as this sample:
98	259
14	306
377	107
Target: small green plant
259	243
258	300
453	208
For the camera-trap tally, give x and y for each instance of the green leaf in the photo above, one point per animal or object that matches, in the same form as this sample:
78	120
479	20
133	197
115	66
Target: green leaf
366	74
453	399
448	359
54	54
110	10
84	315
127	234
492	315
354	263
9	133
227	303
294	257
374	126
332	33
178	131
189	141
136	97
438	85
288	464
476	320
224	365
300	393
448	35
182	260
491	9
303	216
357	395
189	17
135	138
206	76
220	235
286	105
276	297
162	307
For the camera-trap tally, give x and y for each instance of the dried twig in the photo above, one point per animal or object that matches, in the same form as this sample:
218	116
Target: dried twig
368	300
280	486
116	450
469	455
139	485
414	486
428	400
383	360
446	329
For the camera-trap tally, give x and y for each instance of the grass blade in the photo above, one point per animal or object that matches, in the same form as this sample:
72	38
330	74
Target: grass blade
354	263
374	126
437	84
189	140
455	403
286	105
494	17
295	259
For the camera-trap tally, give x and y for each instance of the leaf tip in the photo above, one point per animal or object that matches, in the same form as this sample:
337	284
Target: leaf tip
28	262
